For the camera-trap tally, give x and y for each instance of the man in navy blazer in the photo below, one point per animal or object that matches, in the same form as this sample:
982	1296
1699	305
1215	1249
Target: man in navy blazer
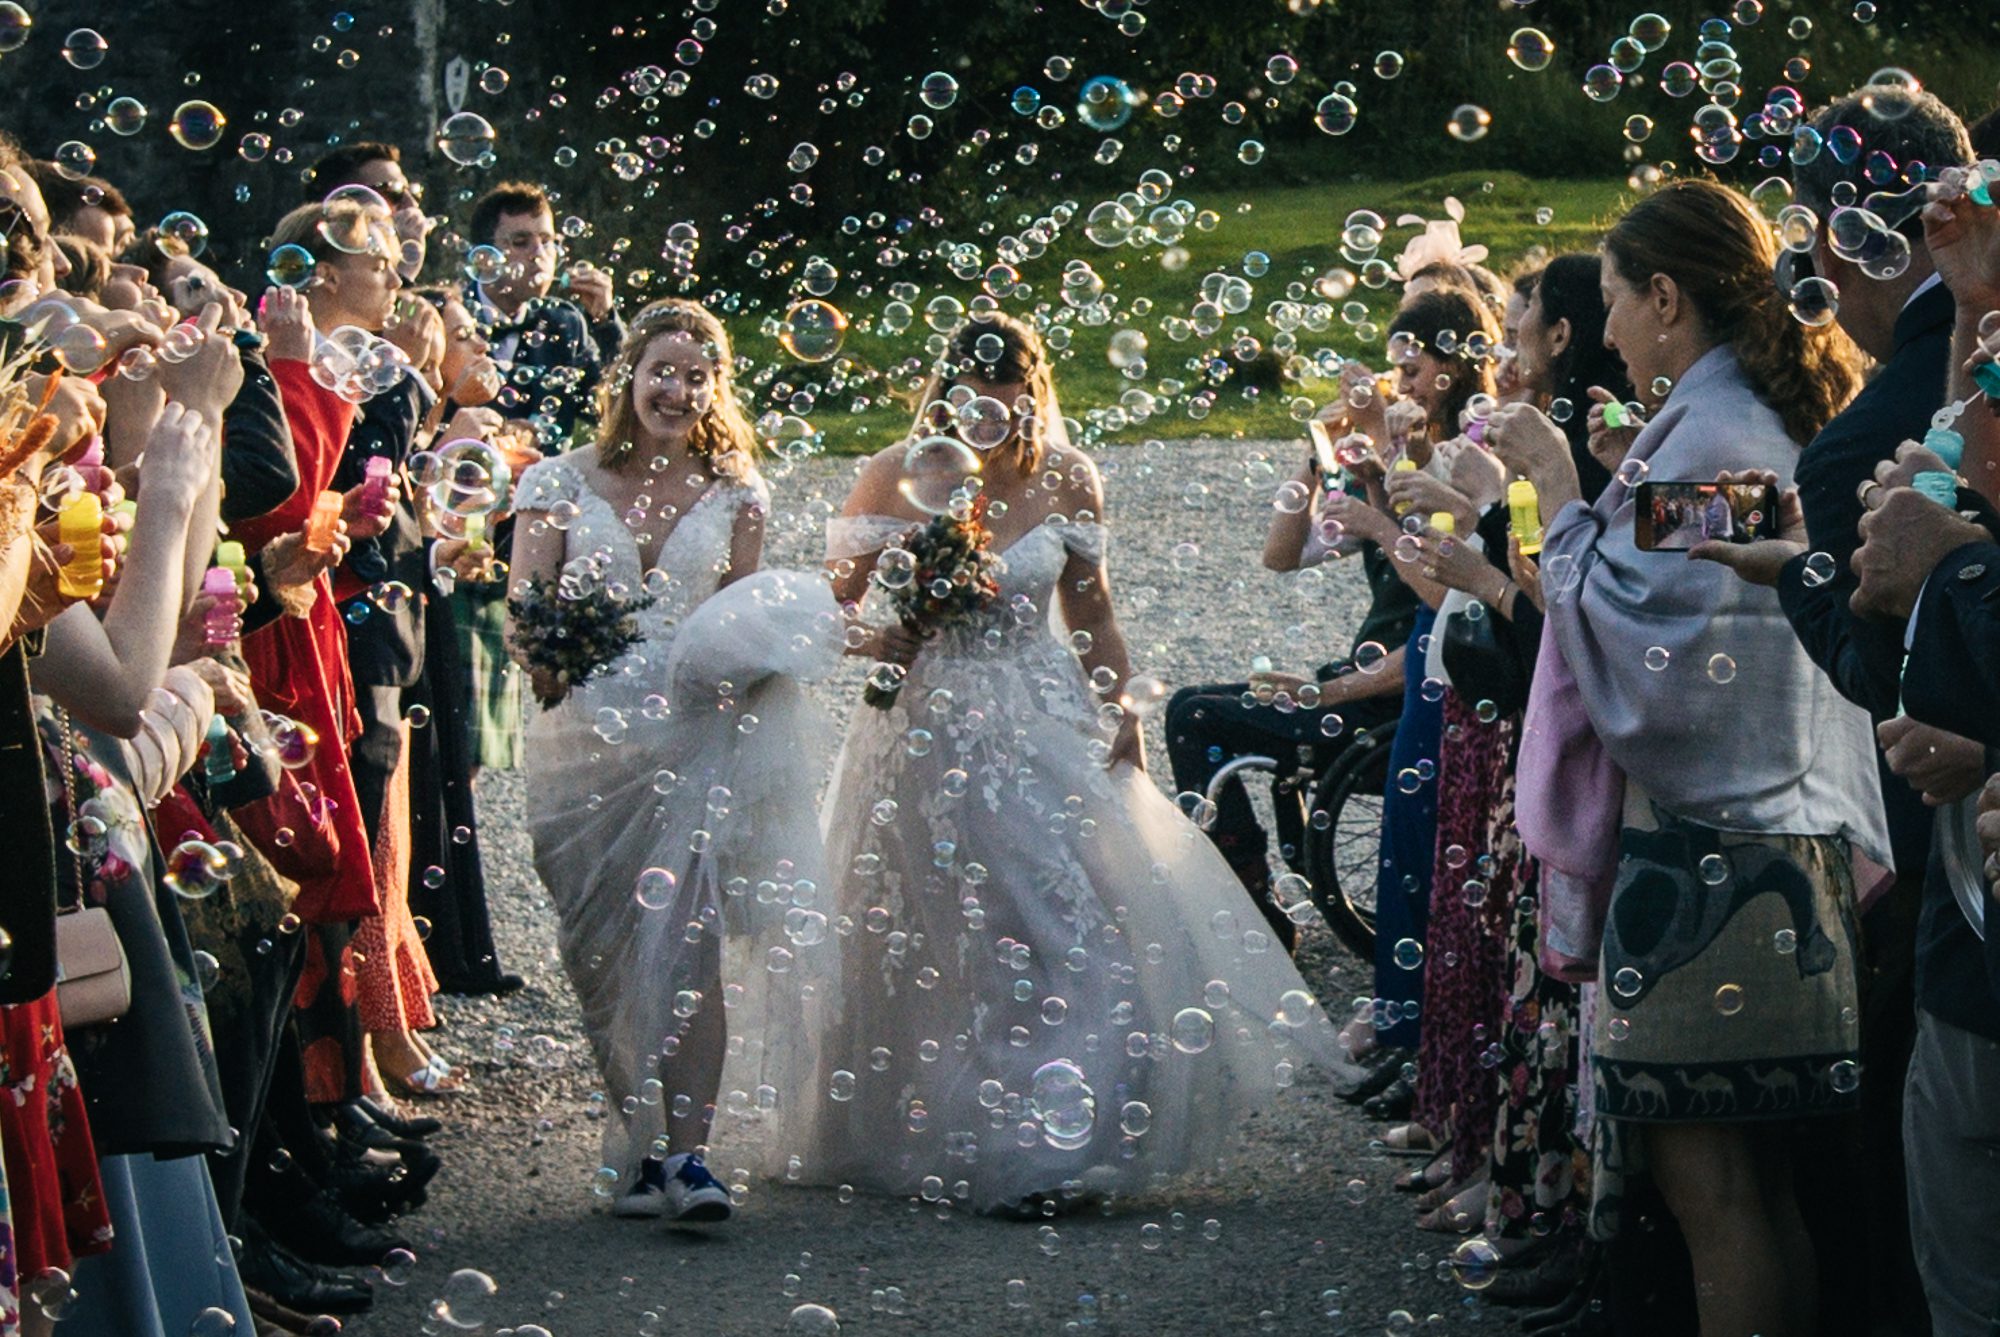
1904	323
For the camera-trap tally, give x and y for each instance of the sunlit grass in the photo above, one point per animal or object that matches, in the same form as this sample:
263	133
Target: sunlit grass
1297	228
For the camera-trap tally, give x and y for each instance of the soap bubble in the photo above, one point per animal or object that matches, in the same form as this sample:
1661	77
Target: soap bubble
212	1322
1814	301
15	25
125	116
85	48
290	266
465	138
1475	1263
467	1299
1192	1031
1531	49
186	229
1469	122
813	330
1105	103
1336	114
935	470
938	90
74	160
195	870
654	889
1061	1099
197	125
813	1320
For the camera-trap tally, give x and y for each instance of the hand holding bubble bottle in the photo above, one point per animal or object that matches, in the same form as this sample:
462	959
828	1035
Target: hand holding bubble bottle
1524	516
375	474
222	622
323	523
80	524
218	767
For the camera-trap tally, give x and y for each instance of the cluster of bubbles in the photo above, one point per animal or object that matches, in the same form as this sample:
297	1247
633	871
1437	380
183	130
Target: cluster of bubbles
357	364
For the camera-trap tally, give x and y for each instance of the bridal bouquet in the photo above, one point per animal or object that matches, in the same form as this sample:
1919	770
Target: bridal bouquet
943	574
574	637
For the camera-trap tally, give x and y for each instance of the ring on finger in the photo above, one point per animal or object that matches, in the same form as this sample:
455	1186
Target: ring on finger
1864	491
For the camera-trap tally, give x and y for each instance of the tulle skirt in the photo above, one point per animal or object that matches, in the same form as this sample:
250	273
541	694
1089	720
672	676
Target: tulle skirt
1050	981
673	824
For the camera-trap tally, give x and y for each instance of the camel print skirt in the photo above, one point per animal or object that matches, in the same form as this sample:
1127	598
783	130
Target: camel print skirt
1728	979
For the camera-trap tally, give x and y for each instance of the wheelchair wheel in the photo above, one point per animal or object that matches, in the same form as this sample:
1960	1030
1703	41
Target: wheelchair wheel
1344	839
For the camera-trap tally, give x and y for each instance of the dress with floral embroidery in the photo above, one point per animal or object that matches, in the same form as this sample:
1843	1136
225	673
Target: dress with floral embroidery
56	1197
1050	979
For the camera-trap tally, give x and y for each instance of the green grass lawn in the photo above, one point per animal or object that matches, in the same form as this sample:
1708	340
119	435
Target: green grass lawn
1296	227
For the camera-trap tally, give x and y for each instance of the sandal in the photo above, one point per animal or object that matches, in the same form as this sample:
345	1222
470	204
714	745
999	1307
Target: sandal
1434	1174
1411	1139
1462	1215
430	1082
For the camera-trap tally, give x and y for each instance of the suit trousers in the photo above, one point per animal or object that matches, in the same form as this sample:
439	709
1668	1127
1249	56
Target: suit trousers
1951	1149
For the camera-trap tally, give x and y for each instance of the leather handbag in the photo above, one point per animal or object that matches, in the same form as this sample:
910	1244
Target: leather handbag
1483	659
93	978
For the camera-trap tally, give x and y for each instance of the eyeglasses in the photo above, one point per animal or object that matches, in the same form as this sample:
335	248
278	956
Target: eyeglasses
409	193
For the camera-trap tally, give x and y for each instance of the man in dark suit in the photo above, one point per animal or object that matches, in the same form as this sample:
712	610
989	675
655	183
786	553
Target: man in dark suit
1905	324
1926	573
551	334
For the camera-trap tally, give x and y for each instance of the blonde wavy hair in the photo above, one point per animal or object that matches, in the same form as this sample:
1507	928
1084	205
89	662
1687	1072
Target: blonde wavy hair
724	430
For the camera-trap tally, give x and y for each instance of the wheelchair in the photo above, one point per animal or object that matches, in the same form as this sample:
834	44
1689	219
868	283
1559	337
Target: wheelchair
1330	826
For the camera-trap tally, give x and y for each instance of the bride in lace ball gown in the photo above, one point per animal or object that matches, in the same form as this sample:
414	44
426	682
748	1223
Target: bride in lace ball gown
670	801
1053	987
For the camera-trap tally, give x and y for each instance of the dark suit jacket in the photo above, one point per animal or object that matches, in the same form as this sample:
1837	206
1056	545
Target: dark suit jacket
1953	678
385	646
1864	657
555	364
260	469
28	892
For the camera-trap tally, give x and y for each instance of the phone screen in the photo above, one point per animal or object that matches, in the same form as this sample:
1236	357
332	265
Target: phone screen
1673	517
1322	439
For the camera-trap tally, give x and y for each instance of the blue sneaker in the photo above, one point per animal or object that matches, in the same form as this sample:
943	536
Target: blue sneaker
692	1193
648	1195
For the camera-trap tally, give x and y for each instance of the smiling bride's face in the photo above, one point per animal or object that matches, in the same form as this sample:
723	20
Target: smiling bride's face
673	386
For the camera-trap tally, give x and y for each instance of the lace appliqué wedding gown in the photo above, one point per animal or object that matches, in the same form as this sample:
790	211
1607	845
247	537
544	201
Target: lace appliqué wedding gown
671	802
1052	977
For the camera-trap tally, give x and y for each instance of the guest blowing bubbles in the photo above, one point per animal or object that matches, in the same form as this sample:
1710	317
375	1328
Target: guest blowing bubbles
1682	750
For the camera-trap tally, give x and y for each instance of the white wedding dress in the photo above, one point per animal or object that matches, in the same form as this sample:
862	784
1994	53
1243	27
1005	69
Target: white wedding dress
672	801
1048	976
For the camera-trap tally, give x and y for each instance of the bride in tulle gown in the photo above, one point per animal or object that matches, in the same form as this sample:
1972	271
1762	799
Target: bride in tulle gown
1051	986
671	802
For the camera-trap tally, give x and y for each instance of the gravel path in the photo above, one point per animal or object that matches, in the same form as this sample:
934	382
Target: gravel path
1308	1238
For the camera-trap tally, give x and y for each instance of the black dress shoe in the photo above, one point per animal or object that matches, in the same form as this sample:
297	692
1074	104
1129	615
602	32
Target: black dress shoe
420	1127
1381	1067
1538	1276
268	1267
358	1133
372	1196
319	1230
1584	1309
1395	1101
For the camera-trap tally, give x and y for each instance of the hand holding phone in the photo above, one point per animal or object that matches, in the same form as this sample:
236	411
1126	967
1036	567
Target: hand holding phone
1674	517
1322	447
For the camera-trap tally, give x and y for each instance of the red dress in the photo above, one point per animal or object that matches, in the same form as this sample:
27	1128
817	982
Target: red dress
299	665
56	1197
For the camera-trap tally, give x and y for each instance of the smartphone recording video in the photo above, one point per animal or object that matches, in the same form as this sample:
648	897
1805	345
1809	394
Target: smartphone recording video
1673	517
1322	440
